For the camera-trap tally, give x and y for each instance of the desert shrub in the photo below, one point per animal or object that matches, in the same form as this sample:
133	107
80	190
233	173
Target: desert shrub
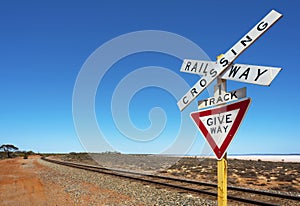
25	155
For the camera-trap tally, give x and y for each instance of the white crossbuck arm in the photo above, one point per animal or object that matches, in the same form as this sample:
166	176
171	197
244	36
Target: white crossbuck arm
225	61
260	75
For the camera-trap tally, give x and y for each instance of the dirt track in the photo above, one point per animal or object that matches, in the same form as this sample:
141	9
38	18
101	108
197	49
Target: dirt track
20	184
23	182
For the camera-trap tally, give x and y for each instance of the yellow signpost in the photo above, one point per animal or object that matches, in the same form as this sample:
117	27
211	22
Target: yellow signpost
221	87
222	181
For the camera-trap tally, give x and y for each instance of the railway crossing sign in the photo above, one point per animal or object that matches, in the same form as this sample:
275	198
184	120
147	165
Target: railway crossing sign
227	59
219	125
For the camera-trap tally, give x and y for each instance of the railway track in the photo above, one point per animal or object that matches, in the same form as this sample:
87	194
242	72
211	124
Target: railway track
235	194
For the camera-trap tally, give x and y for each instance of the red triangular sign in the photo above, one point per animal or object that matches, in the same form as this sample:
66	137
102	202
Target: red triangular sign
220	124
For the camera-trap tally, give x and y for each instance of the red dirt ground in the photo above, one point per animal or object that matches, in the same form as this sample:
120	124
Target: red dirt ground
21	184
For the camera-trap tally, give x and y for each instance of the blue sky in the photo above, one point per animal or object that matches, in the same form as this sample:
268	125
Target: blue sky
44	45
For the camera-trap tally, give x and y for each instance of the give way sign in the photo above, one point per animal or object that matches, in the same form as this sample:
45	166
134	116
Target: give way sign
219	125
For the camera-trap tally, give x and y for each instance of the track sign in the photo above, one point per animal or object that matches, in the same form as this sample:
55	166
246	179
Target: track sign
226	60
222	98
220	124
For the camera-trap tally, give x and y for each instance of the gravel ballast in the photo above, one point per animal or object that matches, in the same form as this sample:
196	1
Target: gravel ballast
83	186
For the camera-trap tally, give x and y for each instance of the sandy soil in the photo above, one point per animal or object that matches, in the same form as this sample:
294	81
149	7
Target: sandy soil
21	183
263	175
